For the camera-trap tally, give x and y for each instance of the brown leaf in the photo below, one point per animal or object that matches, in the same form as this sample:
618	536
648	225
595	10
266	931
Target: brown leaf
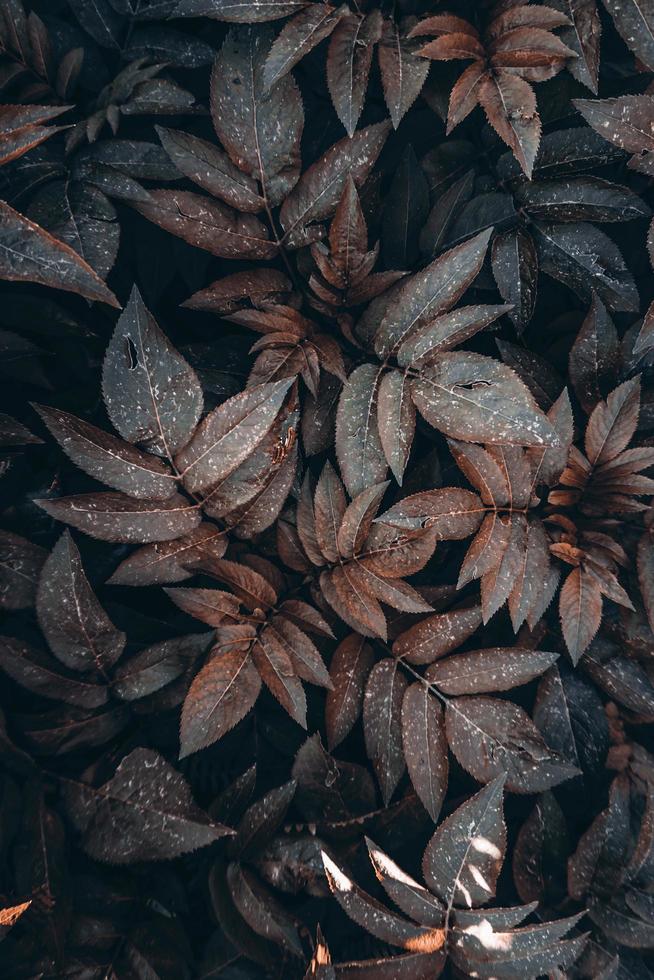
211	169
116	517
170	561
329	506
402	73
510	104
452	513
490	737
410	897
278	674
72	620
28	253
348	64
319	190
228	435
474	398
221	694
396	420
357	520
593	356
358	445
246	115
492	669
368	913
151	394
348	671
356	606
108	459
208	224
425	747
429	292
613	423
382	713
437	635
299	36
144	813
463	859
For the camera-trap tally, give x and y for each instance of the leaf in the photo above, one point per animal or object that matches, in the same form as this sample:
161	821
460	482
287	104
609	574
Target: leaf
491	669
581	199
220	696
151	394
510	105
357	521
634	20
72	620
144	813
368	913
405	212
569	713
396	420
329	506
228	435
348	64
471	397
170	561
613	423
382	710
645	565
593	356
437	635
299	36
515	268
358	445
208	224
158	665
464	857
445	332
80	216
20	567
451	512
410	897
432	291
108	459
348	672
211	169
583	37
260	910
402	73
278	674
625	121
28	253
317	193
425	747
34	671
116	517
261	820
490	737
585	259
246	113
247	11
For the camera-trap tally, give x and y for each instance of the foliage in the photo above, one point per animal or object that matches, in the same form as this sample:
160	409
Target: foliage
327	524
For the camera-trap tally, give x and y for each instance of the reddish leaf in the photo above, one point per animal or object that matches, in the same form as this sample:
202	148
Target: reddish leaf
348	671
425	747
220	696
382	710
28	253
